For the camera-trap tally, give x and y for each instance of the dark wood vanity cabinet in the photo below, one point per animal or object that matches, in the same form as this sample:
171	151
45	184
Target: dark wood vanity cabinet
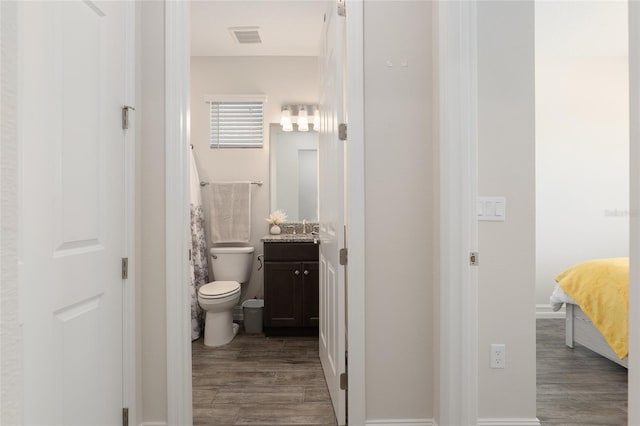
291	288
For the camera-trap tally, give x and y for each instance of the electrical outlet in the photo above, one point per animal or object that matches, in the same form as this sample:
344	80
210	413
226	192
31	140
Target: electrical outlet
498	356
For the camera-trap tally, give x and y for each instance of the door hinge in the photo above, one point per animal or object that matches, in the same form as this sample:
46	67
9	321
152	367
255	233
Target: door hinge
125	417
342	131
344	256
342	8
343	381
473	258
125	116
125	268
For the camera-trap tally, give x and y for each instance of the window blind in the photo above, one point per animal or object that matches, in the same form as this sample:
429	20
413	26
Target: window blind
236	124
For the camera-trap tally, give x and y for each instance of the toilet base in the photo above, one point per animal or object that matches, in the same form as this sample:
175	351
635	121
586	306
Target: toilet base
219	328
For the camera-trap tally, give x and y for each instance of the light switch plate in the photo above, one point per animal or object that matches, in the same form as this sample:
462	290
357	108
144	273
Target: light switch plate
492	209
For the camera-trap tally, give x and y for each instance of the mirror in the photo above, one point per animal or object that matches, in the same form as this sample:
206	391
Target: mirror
294	173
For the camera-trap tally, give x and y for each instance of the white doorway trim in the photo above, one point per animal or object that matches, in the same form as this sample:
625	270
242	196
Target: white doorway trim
11	350
177	57
178	295
129	330
456	36
355	218
634	218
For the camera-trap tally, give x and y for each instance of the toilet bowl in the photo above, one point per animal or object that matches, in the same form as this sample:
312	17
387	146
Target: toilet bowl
231	267
217	299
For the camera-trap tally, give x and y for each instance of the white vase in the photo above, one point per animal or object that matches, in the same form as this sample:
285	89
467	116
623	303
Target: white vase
275	230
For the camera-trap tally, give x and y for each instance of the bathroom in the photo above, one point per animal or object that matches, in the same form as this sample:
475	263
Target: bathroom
284	81
282	71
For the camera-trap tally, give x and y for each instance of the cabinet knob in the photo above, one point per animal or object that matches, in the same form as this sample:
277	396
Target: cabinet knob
297	272
306	272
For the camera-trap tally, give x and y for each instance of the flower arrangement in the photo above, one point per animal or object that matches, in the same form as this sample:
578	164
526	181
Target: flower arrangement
277	217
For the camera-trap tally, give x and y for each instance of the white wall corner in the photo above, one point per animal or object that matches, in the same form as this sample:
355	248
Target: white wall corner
404	422
544	311
509	422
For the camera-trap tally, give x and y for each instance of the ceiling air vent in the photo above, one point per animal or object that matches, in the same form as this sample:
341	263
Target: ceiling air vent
246	35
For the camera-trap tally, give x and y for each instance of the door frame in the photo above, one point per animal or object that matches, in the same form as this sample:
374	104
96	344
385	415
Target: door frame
355	278
11	377
456	33
177	214
129	302
177	59
634	218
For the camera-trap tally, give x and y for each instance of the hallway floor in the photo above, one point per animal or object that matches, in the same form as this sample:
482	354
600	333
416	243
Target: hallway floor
257	380
576	387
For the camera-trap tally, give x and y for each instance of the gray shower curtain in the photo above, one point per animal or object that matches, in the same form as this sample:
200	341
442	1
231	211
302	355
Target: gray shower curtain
199	254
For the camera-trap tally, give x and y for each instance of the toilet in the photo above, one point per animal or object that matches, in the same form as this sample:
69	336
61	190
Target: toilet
231	267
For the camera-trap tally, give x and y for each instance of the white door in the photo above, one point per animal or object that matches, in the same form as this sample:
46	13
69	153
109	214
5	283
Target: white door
331	151
72	87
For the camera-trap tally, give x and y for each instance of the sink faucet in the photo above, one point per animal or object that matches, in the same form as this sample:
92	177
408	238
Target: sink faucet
304	226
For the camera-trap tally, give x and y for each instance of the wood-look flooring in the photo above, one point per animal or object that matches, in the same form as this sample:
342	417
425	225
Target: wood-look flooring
257	380
576	387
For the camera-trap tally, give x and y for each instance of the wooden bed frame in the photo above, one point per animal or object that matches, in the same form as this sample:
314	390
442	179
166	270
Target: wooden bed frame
580	329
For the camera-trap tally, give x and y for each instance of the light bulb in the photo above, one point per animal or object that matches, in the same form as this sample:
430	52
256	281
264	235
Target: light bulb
303	119
285	118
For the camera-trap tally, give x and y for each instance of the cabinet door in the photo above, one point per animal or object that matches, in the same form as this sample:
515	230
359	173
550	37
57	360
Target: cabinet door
282	294
310	294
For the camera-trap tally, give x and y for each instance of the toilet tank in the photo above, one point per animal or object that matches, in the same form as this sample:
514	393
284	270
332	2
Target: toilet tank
231	263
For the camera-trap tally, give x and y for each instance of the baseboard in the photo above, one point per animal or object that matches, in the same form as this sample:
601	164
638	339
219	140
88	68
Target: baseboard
509	422
153	424
404	422
544	311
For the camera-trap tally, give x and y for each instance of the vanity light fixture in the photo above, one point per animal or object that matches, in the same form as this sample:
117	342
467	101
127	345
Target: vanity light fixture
306	115
303	119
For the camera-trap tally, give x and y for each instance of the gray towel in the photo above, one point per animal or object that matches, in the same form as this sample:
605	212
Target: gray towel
230	207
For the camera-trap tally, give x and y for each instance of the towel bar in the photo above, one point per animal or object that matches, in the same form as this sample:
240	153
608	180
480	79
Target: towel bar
259	183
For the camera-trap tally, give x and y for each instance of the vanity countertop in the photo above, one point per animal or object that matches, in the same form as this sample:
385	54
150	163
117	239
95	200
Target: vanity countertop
288	238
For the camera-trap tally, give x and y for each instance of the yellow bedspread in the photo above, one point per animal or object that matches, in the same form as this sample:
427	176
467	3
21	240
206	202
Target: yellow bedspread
601	288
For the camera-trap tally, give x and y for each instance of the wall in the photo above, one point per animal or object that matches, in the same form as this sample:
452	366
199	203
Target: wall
284	80
582	136
150	214
507	249
400	211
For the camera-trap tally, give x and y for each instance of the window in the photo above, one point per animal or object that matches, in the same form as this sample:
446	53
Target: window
236	121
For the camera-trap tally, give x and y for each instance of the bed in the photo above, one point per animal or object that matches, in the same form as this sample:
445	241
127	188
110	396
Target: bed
595	295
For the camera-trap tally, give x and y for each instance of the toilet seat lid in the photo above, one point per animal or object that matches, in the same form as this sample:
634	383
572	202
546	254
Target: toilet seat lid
219	289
